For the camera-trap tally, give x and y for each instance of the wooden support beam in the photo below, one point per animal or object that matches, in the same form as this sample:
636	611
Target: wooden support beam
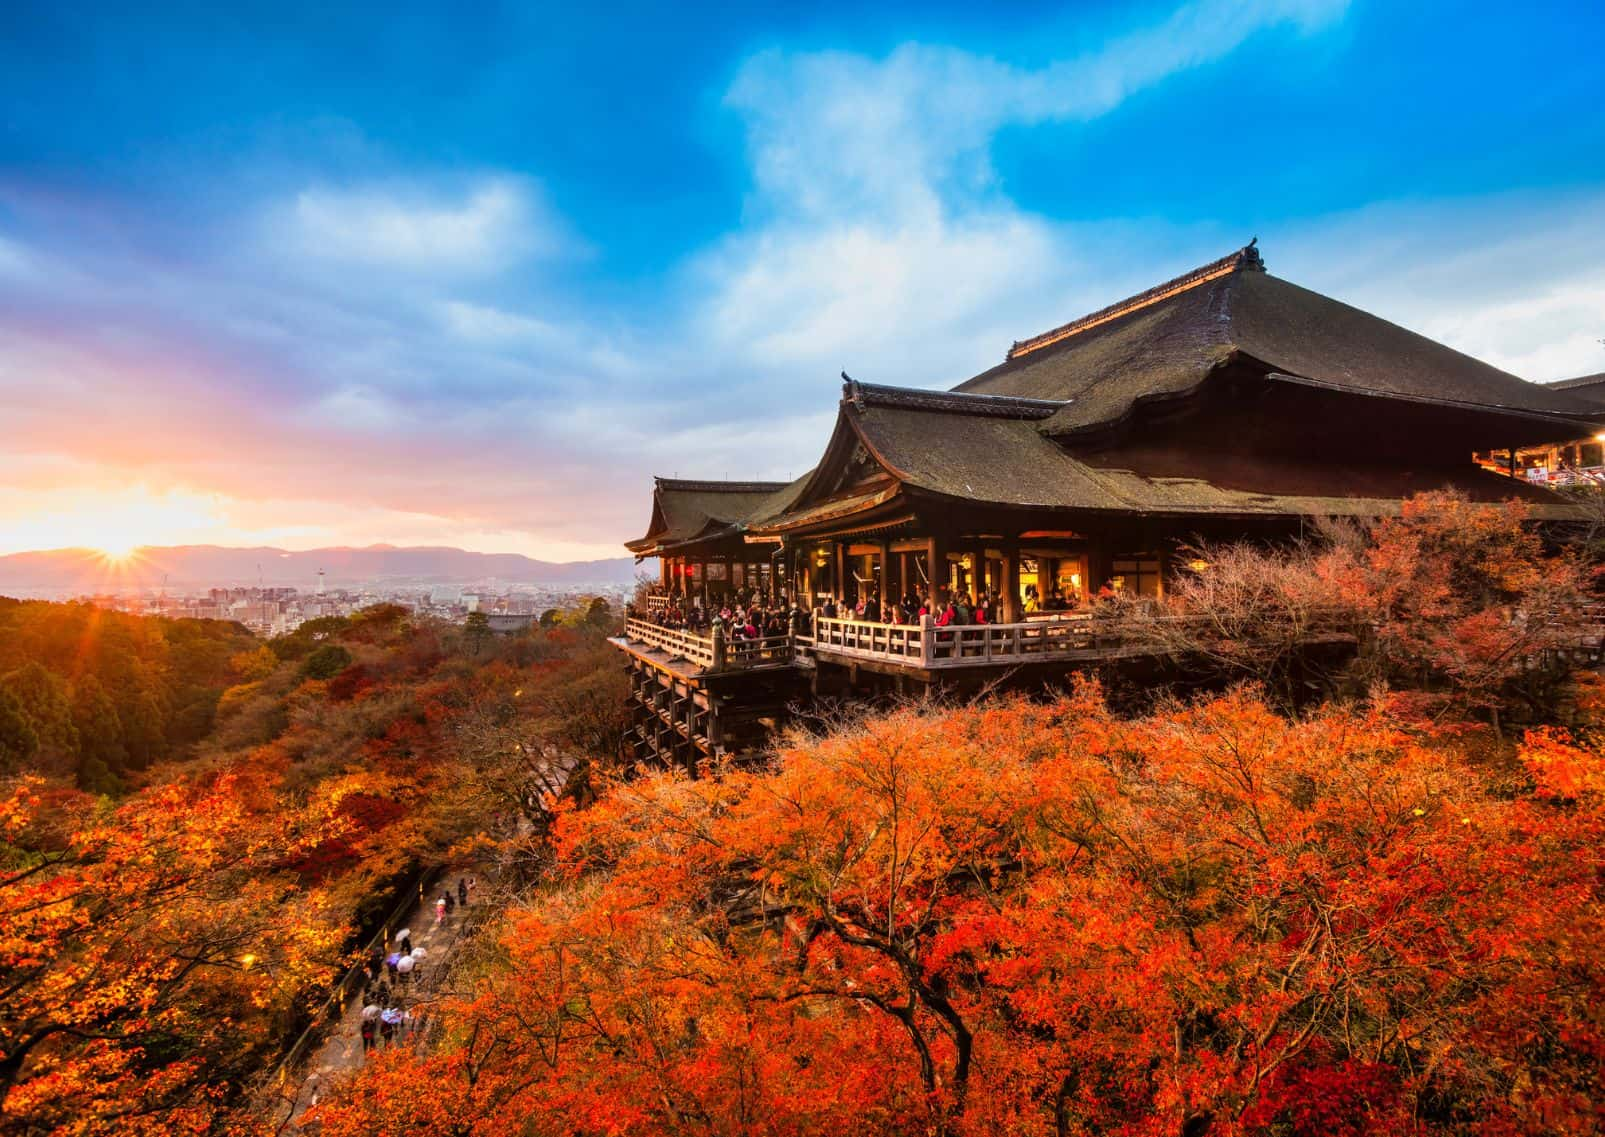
1011	582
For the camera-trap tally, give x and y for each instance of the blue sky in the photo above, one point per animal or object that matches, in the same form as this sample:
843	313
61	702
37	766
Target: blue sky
310	274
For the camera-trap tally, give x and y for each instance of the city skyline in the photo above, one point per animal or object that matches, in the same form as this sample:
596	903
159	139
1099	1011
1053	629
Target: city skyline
280	276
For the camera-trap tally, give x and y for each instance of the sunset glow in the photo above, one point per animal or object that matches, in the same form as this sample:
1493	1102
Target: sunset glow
114	523
336	309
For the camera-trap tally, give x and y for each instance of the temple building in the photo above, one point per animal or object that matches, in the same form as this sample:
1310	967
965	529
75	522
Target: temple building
1567	462
1224	404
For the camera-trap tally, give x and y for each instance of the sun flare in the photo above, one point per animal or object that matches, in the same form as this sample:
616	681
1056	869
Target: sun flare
118	552
117	524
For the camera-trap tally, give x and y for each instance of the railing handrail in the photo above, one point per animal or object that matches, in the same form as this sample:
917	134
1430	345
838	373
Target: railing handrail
706	650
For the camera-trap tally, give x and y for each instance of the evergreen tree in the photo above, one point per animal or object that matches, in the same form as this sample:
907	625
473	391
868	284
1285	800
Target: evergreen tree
44	700
18	742
101	755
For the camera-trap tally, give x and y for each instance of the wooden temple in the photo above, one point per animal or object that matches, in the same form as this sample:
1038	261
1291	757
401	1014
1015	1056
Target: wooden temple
1224	404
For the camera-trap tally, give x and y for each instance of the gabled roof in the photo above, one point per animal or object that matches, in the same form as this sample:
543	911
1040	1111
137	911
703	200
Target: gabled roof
687	510
1163	343
944	449
1590	387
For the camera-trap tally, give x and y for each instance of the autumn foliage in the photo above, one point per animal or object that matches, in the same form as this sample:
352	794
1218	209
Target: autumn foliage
1029	919
159	948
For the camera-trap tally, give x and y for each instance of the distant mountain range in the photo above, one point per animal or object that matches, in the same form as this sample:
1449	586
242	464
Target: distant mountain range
84	571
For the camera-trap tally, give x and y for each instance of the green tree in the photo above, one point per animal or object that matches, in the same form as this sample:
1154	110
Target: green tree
327	662
101	755
44	699
144	728
476	628
18	742
598	613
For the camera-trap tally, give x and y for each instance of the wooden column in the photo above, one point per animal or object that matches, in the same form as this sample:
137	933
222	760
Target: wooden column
841	574
886	576
936	568
1011	582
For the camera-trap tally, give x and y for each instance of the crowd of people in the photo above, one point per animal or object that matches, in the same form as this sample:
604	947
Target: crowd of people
392	1013
747	616
743	615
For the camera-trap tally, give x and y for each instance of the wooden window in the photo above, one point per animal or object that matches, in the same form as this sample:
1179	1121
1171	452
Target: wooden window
1137	574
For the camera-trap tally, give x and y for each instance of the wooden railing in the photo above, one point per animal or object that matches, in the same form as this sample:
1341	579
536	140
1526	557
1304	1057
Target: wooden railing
1069	636
964	645
712	651
676	643
657	603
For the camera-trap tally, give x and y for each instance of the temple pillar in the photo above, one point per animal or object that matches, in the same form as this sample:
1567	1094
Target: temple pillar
1010	565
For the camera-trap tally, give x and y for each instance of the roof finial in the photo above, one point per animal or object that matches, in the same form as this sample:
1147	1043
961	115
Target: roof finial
1251	257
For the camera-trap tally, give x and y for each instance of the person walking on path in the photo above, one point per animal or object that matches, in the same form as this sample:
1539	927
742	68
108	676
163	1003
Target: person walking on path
451	902
462	891
404	940
390	962
419	954
404	969
367	1036
387	1026
440	911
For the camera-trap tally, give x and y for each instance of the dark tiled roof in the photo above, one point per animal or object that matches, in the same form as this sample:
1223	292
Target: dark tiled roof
1590	387
1009	462
1581	381
685	510
954	402
1164	343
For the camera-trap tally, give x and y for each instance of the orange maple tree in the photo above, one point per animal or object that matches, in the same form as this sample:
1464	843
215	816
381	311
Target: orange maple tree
1024	919
149	953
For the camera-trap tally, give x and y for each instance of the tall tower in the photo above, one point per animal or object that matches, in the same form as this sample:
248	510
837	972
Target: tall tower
320	582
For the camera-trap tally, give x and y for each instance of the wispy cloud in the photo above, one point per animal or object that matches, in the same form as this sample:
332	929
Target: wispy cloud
483	227
879	237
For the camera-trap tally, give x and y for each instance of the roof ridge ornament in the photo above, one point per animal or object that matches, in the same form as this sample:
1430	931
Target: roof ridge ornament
863	395
1246	259
698	485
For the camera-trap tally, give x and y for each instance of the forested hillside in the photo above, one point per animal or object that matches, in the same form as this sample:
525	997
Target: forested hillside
97	697
165	927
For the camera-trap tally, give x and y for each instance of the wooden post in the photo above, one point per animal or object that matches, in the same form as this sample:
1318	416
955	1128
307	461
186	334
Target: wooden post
841	575
936	566
927	640
1011	582
718	645
886	579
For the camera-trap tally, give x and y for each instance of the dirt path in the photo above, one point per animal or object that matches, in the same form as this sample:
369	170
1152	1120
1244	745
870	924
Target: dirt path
341	1052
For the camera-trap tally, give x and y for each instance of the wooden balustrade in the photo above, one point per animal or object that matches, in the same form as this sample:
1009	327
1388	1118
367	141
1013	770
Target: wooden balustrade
961	645
710	651
1072	636
657	603
676	643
